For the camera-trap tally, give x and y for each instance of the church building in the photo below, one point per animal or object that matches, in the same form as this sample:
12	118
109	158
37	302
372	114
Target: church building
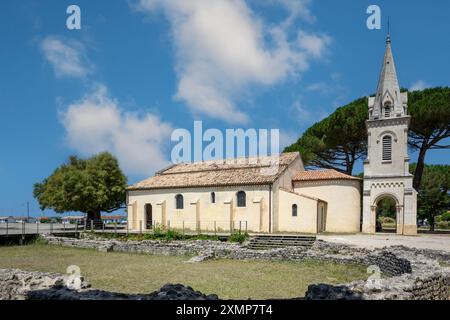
248	194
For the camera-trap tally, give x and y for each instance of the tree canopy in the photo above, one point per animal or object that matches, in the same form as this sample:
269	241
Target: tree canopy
433	194
86	185
430	124
339	140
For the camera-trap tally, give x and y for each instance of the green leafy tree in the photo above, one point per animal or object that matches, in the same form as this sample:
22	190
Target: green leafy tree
430	124
387	208
91	186
337	141
434	192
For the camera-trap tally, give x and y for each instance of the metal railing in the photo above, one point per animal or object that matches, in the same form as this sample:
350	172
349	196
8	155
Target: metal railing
31	228
189	226
137	226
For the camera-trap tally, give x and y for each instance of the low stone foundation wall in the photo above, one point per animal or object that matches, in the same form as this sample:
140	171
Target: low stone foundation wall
29	285
405	273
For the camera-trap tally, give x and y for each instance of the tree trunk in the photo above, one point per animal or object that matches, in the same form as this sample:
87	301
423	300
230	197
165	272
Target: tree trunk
419	168
432	222
93	215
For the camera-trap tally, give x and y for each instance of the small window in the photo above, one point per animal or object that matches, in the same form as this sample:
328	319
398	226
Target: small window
241	199
213	197
387	148
179	201
294	210
387	111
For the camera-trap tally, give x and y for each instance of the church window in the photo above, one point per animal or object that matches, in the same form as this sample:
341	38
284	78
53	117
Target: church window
387	148
241	199
294	210
213	197
387	111
179	201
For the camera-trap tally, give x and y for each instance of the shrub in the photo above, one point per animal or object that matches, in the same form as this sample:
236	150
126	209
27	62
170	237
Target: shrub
386	220
173	235
44	220
444	217
238	237
443	225
206	237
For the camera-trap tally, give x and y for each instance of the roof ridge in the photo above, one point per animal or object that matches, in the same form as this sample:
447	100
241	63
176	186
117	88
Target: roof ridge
224	160
219	169
321	175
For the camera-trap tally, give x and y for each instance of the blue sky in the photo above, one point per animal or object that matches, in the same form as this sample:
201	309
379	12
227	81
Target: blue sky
139	69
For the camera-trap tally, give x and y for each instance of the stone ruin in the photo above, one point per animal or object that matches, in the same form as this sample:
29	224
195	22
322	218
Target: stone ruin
405	273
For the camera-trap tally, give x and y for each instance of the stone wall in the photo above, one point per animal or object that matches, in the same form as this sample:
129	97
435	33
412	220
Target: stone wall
405	273
23	285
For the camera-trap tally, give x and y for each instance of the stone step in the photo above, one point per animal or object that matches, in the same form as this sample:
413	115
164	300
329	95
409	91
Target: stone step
293	243
285	239
282	240
279	244
260	242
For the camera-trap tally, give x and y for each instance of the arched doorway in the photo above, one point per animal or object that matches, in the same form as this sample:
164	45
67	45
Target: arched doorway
148	216
386	214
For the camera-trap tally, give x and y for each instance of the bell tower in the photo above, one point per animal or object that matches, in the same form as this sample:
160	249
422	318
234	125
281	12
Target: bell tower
386	168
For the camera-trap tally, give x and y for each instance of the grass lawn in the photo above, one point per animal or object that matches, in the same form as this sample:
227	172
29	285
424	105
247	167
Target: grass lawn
139	273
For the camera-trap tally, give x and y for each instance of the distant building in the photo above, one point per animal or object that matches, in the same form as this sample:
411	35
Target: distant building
9	219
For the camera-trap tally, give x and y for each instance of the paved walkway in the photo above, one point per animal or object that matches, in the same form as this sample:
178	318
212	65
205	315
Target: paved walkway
421	241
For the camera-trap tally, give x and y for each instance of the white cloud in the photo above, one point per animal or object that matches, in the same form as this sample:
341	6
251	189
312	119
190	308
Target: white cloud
222	51
419	85
96	123
66	57
313	44
297	9
304	114
321	87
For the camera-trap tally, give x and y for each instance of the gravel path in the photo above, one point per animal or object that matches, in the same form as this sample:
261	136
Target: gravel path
422	241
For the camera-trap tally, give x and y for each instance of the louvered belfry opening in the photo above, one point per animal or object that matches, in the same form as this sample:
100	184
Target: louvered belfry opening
387	148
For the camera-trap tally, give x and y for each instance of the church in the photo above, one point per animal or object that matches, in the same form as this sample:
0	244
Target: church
224	195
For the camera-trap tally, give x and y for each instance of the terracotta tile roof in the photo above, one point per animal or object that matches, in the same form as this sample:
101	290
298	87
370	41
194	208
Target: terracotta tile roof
240	171
312	175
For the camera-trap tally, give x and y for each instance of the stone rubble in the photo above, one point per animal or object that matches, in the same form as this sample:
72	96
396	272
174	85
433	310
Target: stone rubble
22	285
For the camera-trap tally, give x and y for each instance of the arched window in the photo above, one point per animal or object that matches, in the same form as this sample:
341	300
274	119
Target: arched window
241	199
387	148
213	197
294	210
179	201
387	111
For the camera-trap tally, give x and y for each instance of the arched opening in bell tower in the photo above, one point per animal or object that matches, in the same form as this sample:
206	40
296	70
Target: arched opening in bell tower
386	214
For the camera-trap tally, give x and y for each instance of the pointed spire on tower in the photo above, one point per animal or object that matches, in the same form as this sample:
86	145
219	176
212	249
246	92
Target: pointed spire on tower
388	90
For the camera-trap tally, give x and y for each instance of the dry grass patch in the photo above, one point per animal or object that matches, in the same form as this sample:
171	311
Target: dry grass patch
138	273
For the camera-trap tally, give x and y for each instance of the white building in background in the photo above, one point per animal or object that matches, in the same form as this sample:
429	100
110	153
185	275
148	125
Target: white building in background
386	169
